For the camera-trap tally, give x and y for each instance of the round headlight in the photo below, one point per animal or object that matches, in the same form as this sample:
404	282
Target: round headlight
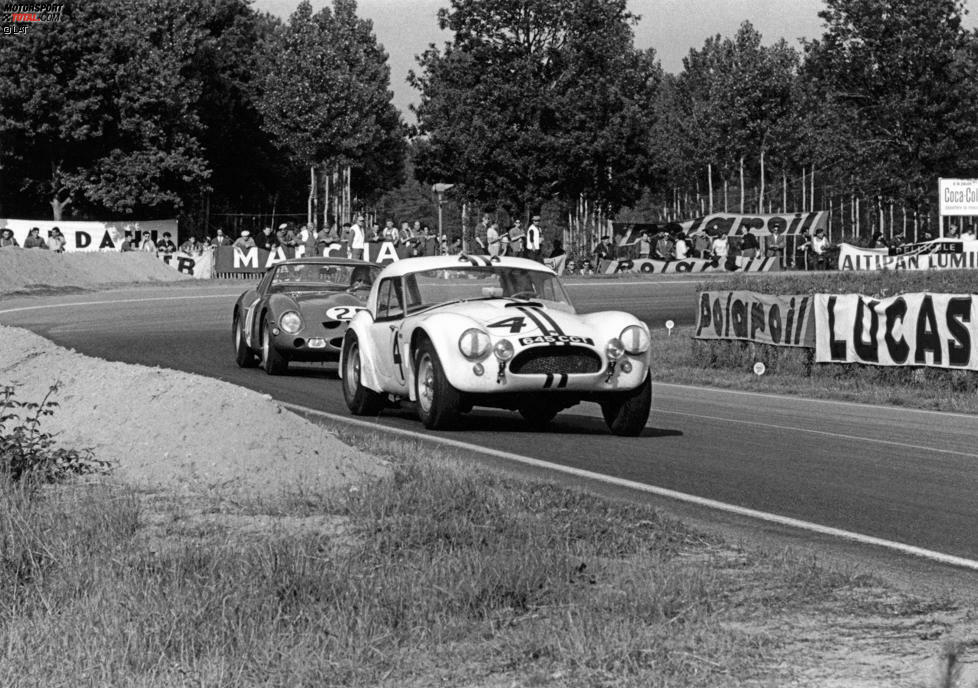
503	350
291	322
615	349
636	340
474	344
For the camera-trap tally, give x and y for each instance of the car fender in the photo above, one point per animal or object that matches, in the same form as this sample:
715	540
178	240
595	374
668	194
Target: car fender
443	330
369	360
246	306
610	324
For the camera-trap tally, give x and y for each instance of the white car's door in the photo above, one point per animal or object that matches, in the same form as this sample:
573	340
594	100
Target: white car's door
384	336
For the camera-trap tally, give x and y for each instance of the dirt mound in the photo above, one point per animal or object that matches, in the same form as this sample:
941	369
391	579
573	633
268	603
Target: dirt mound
164	428
33	269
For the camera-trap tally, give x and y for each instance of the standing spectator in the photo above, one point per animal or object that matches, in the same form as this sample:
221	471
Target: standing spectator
681	249
663	247
166	245
375	237
7	239
285	236
147	244
430	242
56	240
878	241
455	246
126	244
820	245
968	234
357	239
701	245
534	239
601	252
34	239
190	247
492	239
244	242
776	245
749	246
516	236
302	236
266	240
719	249
390	233
220	239
644	245
481	230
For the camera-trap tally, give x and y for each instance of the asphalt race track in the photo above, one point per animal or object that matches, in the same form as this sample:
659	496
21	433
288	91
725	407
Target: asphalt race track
895	474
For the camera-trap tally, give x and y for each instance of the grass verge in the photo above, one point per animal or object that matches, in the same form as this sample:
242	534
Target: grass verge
439	574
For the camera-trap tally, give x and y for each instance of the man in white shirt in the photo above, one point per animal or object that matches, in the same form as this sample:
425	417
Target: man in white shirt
357	241
492	239
534	239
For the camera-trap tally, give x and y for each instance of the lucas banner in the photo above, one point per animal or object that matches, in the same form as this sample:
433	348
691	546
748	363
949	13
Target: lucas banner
649	265
940	254
935	330
752	317
93	236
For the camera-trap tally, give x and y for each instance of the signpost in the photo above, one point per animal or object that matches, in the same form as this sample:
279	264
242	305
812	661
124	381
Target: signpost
957	198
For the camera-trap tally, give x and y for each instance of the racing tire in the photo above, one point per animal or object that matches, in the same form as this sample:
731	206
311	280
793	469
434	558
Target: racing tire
437	401
272	361
360	400
627	413
244	356
539	415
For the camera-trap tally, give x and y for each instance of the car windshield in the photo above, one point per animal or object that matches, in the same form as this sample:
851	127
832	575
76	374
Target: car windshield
323	277
433	287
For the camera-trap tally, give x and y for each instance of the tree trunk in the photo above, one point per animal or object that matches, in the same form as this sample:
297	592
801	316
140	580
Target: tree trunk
741	184
58	207
760	193
725	185
804	200
709	177
811	196
784	191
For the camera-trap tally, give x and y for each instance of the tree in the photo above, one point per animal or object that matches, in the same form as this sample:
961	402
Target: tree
536	100
327	98
99	114
899	77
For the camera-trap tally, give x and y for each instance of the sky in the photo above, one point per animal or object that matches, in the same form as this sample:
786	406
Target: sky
672	27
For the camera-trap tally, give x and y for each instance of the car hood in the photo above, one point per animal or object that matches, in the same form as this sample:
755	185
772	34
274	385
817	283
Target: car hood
318	300
514	318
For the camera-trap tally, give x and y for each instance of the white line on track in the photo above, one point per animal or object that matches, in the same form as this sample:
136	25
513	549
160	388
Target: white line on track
70	304
900	547
797	429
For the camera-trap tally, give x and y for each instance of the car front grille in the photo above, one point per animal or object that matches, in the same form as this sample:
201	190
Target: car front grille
548	360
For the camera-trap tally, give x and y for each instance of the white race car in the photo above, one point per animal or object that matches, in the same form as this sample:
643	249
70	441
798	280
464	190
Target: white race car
453	332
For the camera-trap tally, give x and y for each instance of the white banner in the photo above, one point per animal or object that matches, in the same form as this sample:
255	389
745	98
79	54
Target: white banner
940	254
936	330
200	266
761	225
650	265
958	196
93	236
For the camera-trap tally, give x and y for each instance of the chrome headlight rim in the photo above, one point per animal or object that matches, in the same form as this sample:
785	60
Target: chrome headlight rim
474	344
614	349
635	339
290	322
503	350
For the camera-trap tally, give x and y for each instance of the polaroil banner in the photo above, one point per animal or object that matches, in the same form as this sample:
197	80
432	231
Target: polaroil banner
936	330
753	317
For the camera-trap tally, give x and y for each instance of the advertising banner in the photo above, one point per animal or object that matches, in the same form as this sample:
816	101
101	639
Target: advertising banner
650	265
93	236
958	196
940	254
935	330
233	260
727	223
200	266
752	317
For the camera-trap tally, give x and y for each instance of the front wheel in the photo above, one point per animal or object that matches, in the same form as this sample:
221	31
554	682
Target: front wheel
360	400
243	355
627	413
438	401
272	361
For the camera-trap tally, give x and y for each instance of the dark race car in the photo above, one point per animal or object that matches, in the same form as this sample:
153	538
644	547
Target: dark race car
299	311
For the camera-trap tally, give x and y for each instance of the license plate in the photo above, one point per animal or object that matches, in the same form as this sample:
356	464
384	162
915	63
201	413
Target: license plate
556	339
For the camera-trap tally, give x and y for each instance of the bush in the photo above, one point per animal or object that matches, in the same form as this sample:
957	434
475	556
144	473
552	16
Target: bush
27	453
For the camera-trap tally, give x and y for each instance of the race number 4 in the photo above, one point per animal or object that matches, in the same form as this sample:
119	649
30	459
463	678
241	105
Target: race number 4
515	324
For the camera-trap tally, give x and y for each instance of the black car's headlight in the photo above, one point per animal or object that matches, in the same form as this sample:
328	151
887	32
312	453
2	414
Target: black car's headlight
290	322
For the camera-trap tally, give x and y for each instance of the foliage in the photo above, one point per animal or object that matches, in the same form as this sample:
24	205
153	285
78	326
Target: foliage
99	113
29	454
537	100
327	100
